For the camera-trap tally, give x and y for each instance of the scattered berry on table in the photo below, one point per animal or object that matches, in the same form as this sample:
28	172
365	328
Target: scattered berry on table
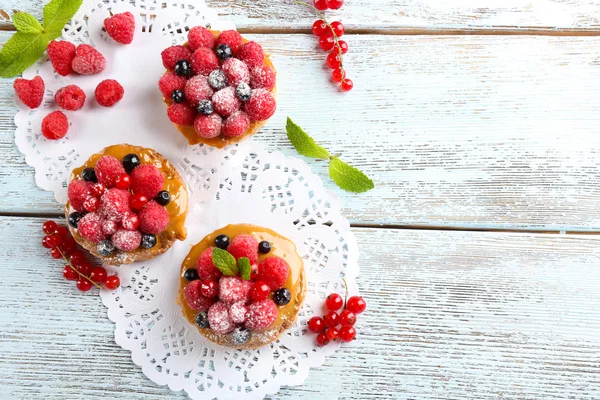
120	27
231	38
347	318
154	218
77	259
334	302
235	125
252	54
219	319
202	319
183	68
54	241
259	291
319	27
205	107
236	71
243	91
70	274
199	36
224	52
148	240
172	54
55	125
347	333
181	114
356	304
332	334
70	97
109	92
98	275
244	246
337	75
61	54
209	288
83	284
320	5
112	282
147	180
30	91
49	227
217	79
343	46
208	126
177	96
88	60
190	274
261	105
334	60
335	4
127	240
170	82
316	324
347	85
55	253
204	61
222	242
273	271
240	335
130	162
262	77
261	315
282	296
338	28
163	198
331	319
322	339
264	247
138	201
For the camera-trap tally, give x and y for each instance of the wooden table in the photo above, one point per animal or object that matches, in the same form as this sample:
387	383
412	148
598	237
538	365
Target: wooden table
479	122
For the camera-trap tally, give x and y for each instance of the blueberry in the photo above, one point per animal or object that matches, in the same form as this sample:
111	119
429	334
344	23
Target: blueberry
205	107
177	96
182	68
264	247
163	198
130	161
88	174
222	242
282	296
224	52
148	240
74	219
217	79
243	91
105	248
240	335
202	320
191	274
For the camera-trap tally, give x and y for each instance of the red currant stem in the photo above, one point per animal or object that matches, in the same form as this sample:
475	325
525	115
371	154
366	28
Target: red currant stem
346	296
76	270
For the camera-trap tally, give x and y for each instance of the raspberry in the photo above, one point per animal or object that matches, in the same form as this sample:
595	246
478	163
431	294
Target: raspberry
199	36
262	77
261	315
108	170
55	125
244	246
61	54
91	204
115	203
170	82
261	105
154	218
197	88
204	61
109	92
70	97
219	319
252	54
225	102
205	267
181	114
109	227
236	124
90	227
120	27
231	38
147	180
130	221
79	191
88	60
127	240
236	71
193	297
237	312
233	289
208	126
172	54
30	92
273	271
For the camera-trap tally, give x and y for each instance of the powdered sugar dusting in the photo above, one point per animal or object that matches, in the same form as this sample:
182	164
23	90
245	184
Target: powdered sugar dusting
219	319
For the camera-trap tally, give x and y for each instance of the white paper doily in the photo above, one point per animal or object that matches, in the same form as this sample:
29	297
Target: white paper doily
269	190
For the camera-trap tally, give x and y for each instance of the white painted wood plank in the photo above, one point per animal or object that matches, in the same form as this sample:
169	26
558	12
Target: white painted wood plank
451	315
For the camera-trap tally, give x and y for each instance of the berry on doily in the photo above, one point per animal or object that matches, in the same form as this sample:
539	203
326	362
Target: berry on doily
199	36
261	315
109	227
109	92
61	54
347	333
154	218
181	114
245	246
233	289
236	71
208	126
236	124
112	282
130	221
205	267
170	82
316	324
252	54
347	318
108	168
90	227
30	91
127	240
322	339
88	60
120	27
231	38
204	61
225	102
334	302
237	312
197	88
219	319
332	334
55	125
262	77
115	203
147	180
194	299
261	105
273	271
78	192
356	304
172	54
217	79
331	319
70	97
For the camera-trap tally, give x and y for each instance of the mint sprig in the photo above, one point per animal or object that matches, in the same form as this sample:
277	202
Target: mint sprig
245	268
224	262
344	175
27	23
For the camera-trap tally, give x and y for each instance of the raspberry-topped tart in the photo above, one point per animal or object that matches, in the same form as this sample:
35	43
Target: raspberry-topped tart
126	203
242	286
219	87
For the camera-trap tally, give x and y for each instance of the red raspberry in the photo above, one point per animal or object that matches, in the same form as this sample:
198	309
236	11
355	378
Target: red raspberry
237	312
262	77
90	227
261	315
30	92
154	218
261	105
273	271
236	71
108	170
92	204
231	38
193	297
233	289
205	267
219	319
109	227
88	60
121	27
70	97
98	190
208	126
170	82
109	92
127	240
204	61
199	36
172	54
236	124
252	54
130	221
244	246
225	102
115	203
316	324
209	288
181	114
61	54
197	88
55	125
147	180
79	191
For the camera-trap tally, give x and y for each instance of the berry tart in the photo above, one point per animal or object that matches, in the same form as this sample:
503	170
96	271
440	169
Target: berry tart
126	203
242	286
219	87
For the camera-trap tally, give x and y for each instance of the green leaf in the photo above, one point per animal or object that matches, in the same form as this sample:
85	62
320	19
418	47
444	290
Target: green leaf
56	15
245	268
303	143
349	178
21	50
26	23
224	261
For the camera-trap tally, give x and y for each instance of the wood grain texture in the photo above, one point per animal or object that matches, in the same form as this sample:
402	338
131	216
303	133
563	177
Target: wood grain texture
451	315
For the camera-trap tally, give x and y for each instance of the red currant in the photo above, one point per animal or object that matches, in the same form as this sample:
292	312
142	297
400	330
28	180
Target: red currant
91	204
326	42
85	269
68	245
98	275
319	27
347	318
334	302
322	339
356	304
62	231
55	253
334	60
70	274
98	189
347	85
259	291
54	241
337	75
123	181
338	28
332	334
316	324
343	46
335	4
112	282
45	242
320	4
49	227
138	201
77	258
83	284
209	288
347	333
332	319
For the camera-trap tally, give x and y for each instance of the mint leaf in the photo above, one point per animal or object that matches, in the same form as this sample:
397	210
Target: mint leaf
56	15
26	23
303	143
245	268
349	178
224	261
21	50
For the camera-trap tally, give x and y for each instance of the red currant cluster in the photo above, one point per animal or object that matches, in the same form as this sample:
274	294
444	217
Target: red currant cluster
336	326
78	268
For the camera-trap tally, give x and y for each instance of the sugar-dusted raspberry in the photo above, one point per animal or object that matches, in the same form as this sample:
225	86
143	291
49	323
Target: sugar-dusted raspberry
204	61
199	36
120	27
194	299
172	54
181	114
108	169
109	227
244	246
115	203
262	77
219	319
154	218
205	267
147	180
261	105
30	91
130	221
55	125
225	102
231	38
61	54
273	271
90	227
236	124
233	289
236	71
197	88
79	191
252	54
237	312
109	92
70	97
261	315
127	240
208	126
88	60
170	82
